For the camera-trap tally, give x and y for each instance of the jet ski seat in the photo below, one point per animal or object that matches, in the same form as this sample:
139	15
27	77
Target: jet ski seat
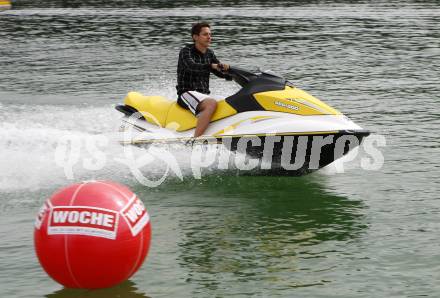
161	111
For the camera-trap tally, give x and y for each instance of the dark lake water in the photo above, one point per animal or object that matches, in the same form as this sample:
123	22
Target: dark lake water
64	65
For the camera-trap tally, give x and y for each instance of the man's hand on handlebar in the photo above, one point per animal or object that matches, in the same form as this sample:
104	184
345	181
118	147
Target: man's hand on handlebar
223	67
220	67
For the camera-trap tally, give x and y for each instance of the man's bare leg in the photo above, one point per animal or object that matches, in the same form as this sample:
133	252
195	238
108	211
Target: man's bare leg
206	109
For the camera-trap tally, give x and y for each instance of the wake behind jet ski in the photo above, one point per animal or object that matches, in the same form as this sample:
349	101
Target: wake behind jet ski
287	130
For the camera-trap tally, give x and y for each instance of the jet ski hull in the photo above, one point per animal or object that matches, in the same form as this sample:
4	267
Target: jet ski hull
287	154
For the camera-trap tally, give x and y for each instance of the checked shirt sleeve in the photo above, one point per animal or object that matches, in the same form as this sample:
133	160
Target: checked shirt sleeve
190	64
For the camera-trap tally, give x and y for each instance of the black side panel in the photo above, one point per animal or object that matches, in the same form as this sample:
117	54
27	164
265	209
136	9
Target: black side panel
244	101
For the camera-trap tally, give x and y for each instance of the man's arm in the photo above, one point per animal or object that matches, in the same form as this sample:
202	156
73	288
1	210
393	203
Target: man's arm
219	73
190	64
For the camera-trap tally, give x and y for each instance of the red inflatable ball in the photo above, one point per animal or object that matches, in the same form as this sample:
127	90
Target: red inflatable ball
92	235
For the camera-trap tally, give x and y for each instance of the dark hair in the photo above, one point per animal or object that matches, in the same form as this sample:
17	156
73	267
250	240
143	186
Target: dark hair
197	27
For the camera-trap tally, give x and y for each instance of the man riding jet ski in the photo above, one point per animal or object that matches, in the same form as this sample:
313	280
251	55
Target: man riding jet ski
288	130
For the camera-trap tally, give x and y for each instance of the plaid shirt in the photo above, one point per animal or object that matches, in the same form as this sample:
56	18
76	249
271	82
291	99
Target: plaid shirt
194	68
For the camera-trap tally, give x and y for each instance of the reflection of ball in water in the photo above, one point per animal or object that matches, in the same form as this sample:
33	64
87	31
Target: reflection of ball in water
92	235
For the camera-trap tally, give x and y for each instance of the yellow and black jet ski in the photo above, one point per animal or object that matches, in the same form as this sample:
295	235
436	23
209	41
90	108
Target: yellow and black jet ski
288	130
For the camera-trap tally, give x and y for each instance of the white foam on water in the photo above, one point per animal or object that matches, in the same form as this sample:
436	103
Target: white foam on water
32	159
